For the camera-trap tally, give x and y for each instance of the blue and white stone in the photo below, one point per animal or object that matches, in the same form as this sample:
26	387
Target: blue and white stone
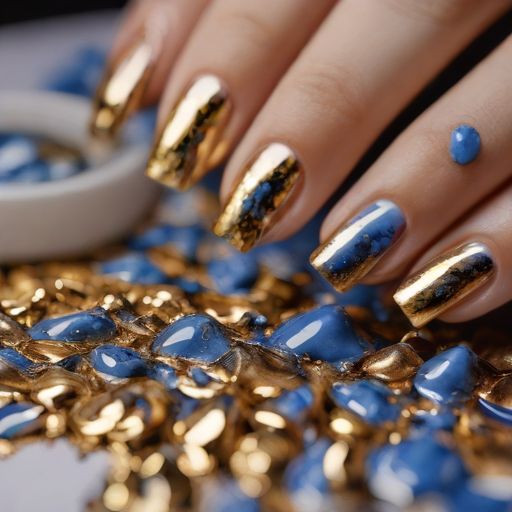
113	361
19	418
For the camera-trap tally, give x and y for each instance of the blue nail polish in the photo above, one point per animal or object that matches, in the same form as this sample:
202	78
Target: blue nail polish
357	247
464	144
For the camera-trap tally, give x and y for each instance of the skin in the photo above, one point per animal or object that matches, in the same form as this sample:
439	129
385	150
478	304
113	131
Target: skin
299	73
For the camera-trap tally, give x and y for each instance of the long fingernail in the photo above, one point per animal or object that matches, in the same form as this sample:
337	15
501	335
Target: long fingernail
259	198
192	133
120	92
359	244
444	282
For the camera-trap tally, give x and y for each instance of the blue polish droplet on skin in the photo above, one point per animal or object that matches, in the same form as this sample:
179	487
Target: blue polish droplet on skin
464	144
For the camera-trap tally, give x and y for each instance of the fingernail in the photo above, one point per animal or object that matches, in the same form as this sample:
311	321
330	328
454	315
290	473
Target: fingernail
444	282
120	92
192	133
359	244
260	197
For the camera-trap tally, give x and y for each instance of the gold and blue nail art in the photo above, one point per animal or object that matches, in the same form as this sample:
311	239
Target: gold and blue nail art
357	247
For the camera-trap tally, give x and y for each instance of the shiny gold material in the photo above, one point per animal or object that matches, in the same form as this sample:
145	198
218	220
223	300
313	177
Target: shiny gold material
184	149
122	89
258	200
444	282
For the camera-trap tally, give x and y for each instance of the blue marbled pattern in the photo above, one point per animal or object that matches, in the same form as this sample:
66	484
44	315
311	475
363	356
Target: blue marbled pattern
92	325
325	333
464	144
117	362
18	417
447	378
359	244
367	399
197	337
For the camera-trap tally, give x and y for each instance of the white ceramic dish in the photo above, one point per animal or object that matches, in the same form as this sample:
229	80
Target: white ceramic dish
72	216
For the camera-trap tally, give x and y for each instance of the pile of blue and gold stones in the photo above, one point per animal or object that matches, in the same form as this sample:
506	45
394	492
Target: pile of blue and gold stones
222	381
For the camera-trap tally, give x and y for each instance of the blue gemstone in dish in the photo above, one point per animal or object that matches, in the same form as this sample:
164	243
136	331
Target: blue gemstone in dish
398	473
134	268
14	358
19	418
235	274
295	404
367	399
197	337
496	412
164	374
184	239
325	333
464	144
118	362
92	325
447	378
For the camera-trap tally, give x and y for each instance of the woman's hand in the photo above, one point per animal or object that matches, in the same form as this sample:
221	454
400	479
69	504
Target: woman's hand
296	91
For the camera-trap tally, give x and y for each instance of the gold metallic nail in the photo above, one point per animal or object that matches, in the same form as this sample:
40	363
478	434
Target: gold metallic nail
120	92
266	185
444	282
192	134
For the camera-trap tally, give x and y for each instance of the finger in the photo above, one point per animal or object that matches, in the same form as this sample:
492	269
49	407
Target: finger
334	101
149	41
428	188
468	272
236	55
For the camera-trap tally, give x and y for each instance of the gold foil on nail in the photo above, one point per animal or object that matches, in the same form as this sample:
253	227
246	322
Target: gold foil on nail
444	282
266	185
121	91
188	144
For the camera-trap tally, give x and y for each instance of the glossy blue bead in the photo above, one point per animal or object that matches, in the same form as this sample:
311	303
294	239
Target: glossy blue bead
305	474
293	405
496	412
325	333
235	274
397	473
17	418
118	362
448	377
197	337
185	240
367	399
14	358
464	144
164	374
200	377
479	494
92	325
428	421
134	268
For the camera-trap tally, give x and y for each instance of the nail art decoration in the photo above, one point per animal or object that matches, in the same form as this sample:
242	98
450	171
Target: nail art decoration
121	91
357	247
464	144
266	186
444	282
190	141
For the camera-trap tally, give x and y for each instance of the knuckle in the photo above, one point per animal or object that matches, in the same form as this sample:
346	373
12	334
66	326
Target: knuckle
333	89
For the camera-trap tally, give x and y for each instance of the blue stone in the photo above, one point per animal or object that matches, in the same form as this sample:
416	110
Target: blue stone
134	268
325	333
447	378
184	239
305	474
164	374
200	377
17	418
367	399
119	362
235	274
184	405
397	473
197	337
486	493
428	421
14	358
496	412
70	363
92	325
464	144
293	405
